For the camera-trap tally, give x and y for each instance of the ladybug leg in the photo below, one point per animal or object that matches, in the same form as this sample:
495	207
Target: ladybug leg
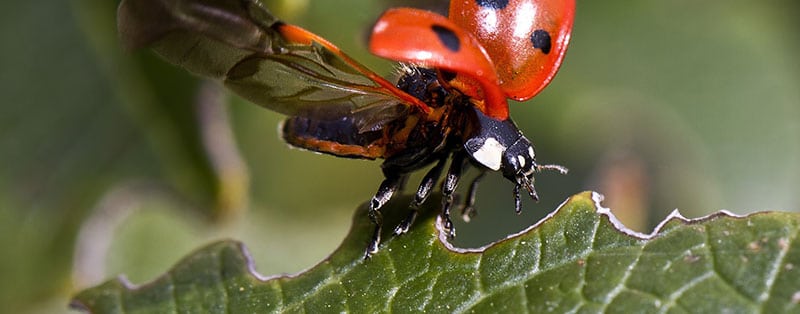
424	190
402	185
518	199
448	188
468	211
388	187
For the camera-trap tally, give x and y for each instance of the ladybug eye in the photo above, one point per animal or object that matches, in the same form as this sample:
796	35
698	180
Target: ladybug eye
448	37
492	4
541	40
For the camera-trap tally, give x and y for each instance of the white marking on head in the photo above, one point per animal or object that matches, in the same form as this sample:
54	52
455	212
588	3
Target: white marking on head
530	152
490	154
521	160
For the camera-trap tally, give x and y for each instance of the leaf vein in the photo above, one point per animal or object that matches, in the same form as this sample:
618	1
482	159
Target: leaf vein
391	293
479	292
623	281
221	282
335	277
585	267
172	293
429	295
679	292
776	269
478	275
524	298
715	268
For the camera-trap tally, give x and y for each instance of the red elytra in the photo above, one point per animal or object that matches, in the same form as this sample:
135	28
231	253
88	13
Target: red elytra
526	39
523	41
429	39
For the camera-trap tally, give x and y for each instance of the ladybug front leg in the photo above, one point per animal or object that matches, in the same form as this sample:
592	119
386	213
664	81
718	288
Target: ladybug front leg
424	190
388	187
448	188
468	211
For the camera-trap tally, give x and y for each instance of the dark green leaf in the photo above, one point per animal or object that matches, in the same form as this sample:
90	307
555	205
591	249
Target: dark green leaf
578	259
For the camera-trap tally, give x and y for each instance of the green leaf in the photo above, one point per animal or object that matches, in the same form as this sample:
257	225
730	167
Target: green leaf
577	259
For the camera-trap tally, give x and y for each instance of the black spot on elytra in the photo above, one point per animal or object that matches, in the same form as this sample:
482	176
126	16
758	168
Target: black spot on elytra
447	37
541	40
492	4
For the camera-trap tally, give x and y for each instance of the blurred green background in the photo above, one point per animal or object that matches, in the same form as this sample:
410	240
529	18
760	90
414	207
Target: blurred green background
114	162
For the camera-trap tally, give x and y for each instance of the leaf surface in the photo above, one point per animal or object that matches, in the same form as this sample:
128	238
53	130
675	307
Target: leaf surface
577	259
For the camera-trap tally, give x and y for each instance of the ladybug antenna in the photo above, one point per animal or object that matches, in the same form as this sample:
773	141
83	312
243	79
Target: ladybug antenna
559	168
527	181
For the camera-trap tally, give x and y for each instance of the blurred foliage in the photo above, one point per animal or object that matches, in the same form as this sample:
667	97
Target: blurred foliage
659	105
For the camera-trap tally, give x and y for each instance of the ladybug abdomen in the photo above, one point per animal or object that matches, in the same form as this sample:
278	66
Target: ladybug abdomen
336	137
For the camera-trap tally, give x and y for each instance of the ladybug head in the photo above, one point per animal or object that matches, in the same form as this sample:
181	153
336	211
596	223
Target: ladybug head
500	146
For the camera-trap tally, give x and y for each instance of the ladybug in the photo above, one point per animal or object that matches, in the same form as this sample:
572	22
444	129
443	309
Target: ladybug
449	104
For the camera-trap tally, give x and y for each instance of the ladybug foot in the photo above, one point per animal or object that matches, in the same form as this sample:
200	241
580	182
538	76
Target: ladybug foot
404	225
449	228
468	212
